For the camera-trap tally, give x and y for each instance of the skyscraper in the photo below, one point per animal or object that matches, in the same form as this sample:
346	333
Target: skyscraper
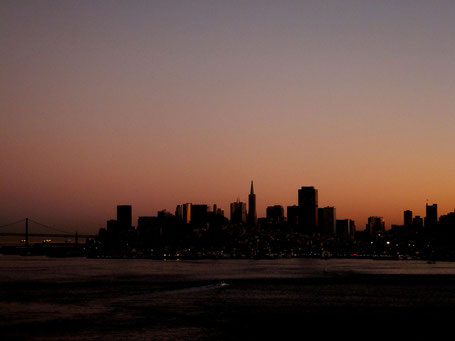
342	228
179	211
186	212
275	213
292	214
252	216
238	212
199	214
375	225
407	215
308	209
124	217
327	220
431	217
417	223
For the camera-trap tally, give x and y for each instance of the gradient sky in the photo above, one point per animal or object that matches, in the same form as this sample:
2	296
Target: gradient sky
156	103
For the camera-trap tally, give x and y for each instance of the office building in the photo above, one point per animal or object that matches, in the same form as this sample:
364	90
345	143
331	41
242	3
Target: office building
352	228
179	211
375	225
431	217
238	212
150	230
407	217
327	220
199	214
308	209
447	220
112	226
417	223
220	212
345	228
292	213
186	213
275	213
124	217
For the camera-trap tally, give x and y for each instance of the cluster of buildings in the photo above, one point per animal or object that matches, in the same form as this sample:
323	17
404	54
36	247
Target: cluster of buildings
306	230
431	221
197	214
306	217
417	222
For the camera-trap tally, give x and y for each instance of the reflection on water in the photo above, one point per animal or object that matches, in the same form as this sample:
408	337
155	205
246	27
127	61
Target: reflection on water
78	298
20	268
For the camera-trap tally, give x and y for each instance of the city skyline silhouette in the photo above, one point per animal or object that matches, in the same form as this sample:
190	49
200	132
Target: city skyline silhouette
421	212
226	170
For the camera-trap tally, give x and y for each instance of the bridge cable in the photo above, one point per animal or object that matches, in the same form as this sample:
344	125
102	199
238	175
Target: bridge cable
50	227
12	223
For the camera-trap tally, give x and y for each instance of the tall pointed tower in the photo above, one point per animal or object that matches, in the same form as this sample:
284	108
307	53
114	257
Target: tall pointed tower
252	216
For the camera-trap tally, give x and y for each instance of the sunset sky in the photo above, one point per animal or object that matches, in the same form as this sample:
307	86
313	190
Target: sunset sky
157	103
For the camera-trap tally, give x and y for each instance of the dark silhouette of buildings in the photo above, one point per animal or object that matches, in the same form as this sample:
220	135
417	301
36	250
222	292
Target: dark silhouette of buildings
149	230
186	212
327	220
375	225
407	218
352	228
293	215
179	212
124	217
238	212
275	214
197	230
199	214
417	223
431	217
308	209
252	216
345	228
112	226
220	212
447	219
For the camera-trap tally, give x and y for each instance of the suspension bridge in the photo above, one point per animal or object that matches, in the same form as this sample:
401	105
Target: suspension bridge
49	231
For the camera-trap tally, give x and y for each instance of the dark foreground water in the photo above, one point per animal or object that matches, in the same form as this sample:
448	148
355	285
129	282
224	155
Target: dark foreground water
100	299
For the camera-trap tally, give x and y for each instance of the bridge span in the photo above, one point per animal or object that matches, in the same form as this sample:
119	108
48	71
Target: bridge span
58	233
